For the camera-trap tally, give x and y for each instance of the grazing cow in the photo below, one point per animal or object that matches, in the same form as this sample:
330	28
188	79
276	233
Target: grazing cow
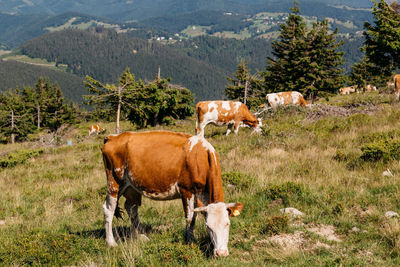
221	113
348	90
369	88
396	80
355	89
165	165
95	129
286	98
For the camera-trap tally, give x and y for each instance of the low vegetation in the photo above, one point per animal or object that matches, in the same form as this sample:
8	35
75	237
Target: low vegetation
326	166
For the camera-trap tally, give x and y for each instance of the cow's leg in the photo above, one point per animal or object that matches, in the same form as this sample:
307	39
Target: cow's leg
200	131
190	216
230	126
110	203
236	128
132	203
109	208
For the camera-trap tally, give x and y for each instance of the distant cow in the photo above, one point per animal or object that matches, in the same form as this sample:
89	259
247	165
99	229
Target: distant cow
348	90
354	89
95	129
396	80
222	113
164	165
285	99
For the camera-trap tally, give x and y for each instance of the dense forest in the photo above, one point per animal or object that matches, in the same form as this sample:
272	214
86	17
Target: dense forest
104	54
15	74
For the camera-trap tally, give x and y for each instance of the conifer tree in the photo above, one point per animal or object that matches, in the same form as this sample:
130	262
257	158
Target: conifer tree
245	87
305	60
382	40
112	97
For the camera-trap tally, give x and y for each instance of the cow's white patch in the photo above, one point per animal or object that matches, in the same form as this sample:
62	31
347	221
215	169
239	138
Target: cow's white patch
190	209
237	105
225	105
171	193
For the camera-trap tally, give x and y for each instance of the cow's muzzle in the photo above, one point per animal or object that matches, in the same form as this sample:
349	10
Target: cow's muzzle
221	253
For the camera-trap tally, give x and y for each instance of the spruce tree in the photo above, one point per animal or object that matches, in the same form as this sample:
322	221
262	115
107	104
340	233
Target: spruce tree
382	40
245	87
305	60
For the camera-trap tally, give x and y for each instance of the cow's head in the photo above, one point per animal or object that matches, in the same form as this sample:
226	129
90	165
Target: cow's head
257	128
217	221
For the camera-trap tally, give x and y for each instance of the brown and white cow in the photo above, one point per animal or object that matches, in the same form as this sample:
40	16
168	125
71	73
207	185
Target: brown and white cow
354	89
165	165
396	80
225	113
95	129
285	99
348	90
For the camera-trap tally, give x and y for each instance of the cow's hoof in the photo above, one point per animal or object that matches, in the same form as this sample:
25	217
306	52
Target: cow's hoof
111	243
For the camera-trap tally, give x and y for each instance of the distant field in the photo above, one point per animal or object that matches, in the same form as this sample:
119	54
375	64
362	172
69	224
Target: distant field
36	61
337	162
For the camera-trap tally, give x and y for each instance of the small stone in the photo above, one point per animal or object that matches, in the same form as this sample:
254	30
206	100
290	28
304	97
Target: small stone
231	186
355	229
292	211
391	214
143	238
2	222
387	173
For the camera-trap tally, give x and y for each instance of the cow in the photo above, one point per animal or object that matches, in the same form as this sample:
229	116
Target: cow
225	113
369	88
164	165
348	90
396	80
285	99
95	129
354	89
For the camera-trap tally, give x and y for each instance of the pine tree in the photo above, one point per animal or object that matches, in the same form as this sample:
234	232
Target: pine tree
305	60
382	40
111	97
282	72
245	87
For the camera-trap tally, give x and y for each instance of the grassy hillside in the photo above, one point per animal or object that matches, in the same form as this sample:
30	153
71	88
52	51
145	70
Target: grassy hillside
323	161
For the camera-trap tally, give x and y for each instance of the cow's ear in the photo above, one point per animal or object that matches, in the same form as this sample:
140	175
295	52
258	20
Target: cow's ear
234	209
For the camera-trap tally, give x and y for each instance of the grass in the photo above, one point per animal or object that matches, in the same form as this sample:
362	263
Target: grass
51	211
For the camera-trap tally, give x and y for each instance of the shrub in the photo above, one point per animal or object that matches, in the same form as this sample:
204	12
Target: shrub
286	192
383	150
275	225
18	157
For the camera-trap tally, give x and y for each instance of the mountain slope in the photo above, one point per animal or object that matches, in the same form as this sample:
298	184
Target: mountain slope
16	74
104	54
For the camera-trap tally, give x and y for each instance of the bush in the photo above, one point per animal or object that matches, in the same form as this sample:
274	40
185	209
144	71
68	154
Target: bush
18	157
383	150
275	225
286	192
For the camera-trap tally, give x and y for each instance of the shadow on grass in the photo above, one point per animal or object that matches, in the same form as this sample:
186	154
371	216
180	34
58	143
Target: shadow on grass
120	232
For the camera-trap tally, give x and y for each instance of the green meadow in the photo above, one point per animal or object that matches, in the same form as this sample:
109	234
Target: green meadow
337	162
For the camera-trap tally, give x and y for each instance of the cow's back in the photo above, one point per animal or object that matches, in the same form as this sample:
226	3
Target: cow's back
157	161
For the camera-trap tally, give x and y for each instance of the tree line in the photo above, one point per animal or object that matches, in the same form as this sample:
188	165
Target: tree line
308	59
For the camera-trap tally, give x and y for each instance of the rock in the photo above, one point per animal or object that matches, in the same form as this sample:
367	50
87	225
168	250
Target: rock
2	222
231	186
292	211
391	214
387	173
142	238
355	229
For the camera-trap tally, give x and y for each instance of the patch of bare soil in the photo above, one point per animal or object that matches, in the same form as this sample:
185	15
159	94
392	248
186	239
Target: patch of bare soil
289	241
327	231
318	111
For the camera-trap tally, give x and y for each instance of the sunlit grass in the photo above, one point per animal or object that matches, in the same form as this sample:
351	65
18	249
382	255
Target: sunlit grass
51	214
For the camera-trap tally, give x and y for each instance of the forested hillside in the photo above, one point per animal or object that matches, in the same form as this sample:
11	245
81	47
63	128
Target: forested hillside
104	54
15	74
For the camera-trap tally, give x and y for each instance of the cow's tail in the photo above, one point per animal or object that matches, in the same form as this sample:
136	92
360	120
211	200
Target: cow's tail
198	110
